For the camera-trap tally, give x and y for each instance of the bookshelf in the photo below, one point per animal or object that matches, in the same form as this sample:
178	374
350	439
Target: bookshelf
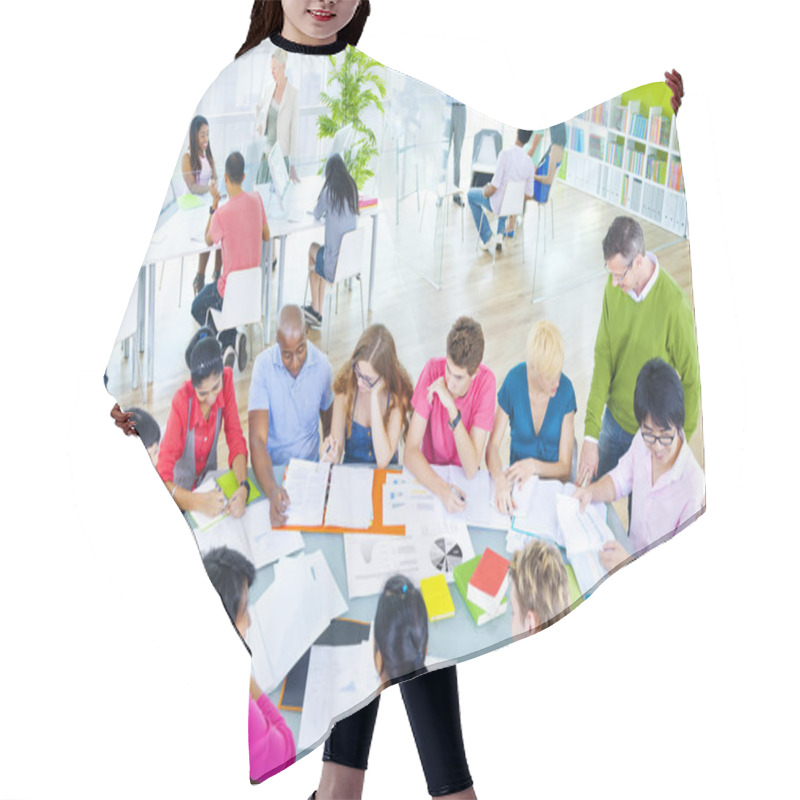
625	152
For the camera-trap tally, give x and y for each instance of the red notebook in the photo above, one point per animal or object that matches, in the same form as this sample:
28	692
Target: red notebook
489	582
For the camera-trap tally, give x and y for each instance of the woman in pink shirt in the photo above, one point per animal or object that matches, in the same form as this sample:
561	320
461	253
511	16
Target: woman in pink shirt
271	742
659	470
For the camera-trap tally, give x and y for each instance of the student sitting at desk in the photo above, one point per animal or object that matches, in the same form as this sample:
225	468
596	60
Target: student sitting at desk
659	470
371	401
200	175
240	225
538	402
290	392
272	745
338	202
539	587
189	449
453	413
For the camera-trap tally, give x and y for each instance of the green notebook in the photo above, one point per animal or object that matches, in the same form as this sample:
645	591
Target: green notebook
189	201
462	573
229	485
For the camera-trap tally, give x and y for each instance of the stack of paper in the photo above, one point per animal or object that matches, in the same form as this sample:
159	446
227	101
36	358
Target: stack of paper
350	497
290	615
306	483
584	533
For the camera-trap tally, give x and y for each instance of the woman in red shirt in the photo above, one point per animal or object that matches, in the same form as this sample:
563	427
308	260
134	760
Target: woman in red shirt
188	451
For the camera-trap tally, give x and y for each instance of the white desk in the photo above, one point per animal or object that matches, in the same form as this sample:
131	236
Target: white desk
184	235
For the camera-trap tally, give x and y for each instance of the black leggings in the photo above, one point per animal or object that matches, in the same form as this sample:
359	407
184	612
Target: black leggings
432	706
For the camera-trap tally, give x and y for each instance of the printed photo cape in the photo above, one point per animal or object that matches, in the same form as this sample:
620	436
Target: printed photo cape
417	263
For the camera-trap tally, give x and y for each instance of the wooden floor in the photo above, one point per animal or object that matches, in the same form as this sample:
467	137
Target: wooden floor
569	288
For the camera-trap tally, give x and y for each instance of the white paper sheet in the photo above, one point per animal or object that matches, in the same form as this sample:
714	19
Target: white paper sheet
306	483
584	535
350	497
425	550
480	509
287	619
536	508
338	679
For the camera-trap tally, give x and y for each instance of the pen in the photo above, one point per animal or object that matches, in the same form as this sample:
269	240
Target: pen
458	493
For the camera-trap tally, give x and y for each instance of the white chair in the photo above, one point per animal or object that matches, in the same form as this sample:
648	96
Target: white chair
242	302
129	335
513	205
348	266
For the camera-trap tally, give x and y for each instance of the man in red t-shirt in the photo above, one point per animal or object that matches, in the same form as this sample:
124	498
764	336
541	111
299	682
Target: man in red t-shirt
453	413
240	225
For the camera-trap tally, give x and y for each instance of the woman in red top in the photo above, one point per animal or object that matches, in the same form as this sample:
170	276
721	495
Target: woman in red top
189	448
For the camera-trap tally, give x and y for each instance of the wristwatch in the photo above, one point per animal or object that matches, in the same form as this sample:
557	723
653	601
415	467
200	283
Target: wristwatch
246	484
211	210
454	424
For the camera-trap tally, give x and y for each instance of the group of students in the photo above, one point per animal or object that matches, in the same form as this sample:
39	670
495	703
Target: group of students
239	226
455	415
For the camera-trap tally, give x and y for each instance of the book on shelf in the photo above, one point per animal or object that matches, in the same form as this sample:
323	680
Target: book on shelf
461	574
437	597
489	582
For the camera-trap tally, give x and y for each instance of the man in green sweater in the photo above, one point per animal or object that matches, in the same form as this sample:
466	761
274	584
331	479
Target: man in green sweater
645	315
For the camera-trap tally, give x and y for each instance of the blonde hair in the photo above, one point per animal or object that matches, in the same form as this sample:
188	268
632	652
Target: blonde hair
545	349
540	580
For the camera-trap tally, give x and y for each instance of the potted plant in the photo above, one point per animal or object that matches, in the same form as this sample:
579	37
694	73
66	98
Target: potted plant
360	88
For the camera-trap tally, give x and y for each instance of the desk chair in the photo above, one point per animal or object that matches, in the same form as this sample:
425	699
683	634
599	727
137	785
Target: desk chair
241	304
348	266
129	334
542	198
513	205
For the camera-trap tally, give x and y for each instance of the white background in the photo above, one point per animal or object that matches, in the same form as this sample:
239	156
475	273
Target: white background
119	675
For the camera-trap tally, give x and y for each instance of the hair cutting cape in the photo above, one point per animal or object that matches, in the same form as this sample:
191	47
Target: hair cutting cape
414	153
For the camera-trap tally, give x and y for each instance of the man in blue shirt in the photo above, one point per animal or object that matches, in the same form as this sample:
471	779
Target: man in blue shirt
290	392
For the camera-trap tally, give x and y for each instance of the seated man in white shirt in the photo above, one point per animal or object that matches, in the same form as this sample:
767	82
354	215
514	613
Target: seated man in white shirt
513	164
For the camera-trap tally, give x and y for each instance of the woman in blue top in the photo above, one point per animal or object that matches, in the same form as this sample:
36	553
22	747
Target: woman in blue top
538	402
372	397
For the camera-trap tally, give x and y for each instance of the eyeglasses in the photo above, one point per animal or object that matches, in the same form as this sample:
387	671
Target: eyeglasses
664	441
619	278
368	382
213	390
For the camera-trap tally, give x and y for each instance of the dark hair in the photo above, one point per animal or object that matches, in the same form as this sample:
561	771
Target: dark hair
625	237
465	344
147	428
229	572
659	395
194	154
401	627
203	356
266	19
523	137
234	167
340	185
